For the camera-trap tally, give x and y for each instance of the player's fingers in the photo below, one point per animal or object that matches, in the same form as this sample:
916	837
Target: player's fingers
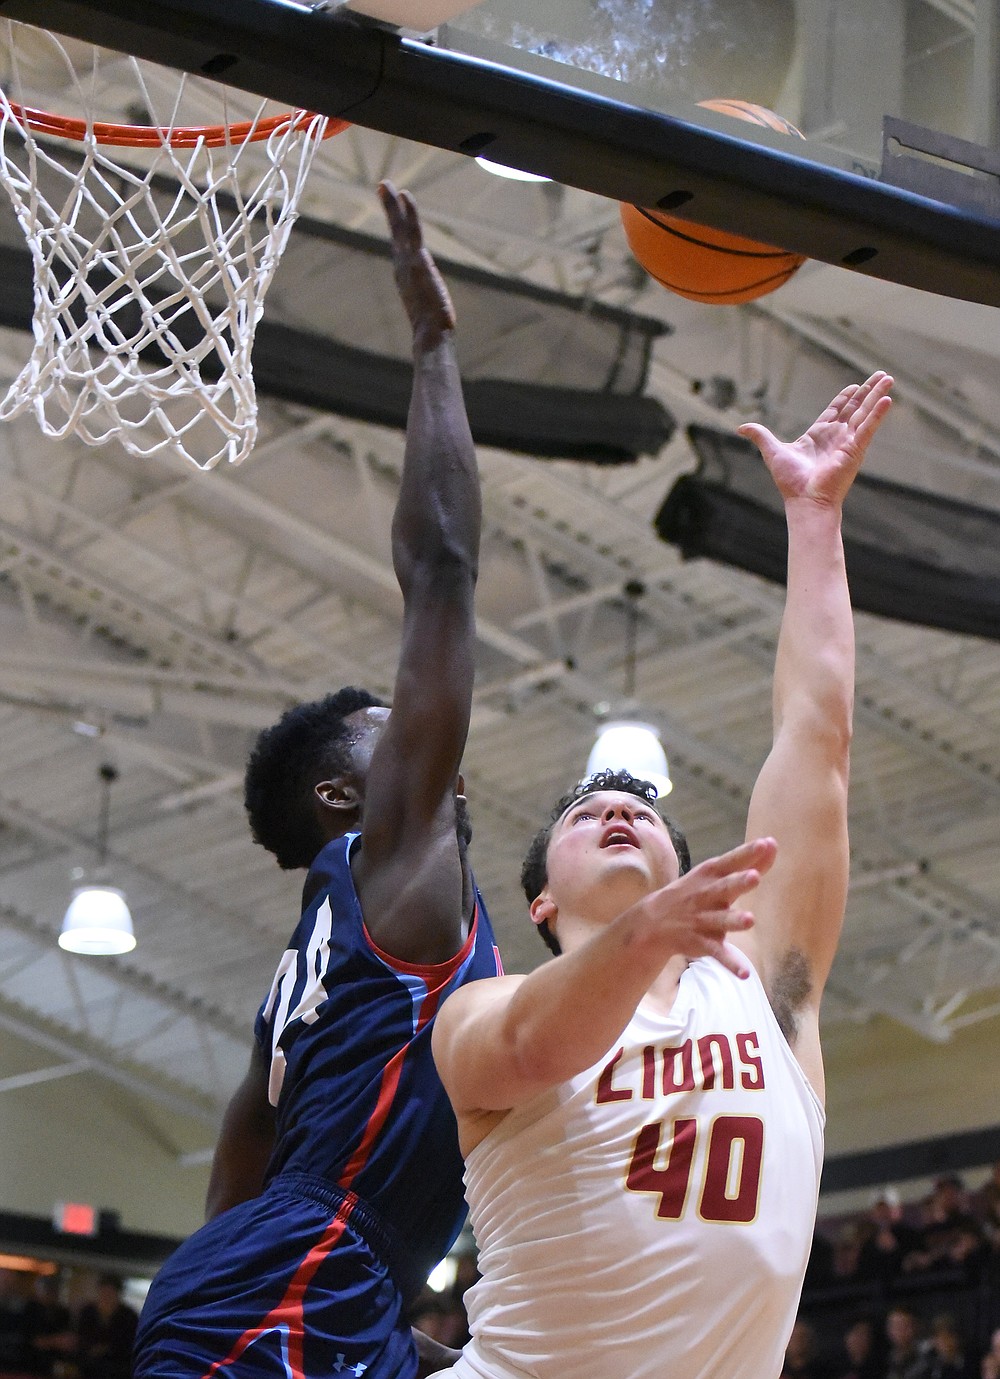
738	883
866	399
714	896
876	404
389	198
842	405
756	853
765	440
731	957
411	221
867	428
717	923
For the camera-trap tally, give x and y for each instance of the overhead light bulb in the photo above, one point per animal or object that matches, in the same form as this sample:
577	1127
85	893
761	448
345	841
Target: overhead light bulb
98	921
514	174
625	745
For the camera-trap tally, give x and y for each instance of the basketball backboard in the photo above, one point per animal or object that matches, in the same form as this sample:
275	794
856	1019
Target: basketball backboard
898	176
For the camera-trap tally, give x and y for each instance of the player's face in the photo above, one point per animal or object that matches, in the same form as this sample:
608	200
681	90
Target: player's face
609	838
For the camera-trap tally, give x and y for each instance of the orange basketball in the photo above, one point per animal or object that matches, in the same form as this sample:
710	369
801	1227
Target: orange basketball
709	265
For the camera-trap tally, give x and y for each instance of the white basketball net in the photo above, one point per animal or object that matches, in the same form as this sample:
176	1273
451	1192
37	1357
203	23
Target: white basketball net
147	292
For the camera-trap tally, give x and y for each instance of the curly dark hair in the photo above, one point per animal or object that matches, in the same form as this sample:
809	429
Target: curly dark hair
305	746
534	873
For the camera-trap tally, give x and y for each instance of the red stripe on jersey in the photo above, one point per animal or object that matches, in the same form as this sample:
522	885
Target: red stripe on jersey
386	1095
288	1314
388	1087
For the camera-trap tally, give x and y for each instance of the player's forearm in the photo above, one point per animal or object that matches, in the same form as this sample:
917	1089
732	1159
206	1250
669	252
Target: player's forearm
814	668
246	1140
232	1183
568	1013
438	512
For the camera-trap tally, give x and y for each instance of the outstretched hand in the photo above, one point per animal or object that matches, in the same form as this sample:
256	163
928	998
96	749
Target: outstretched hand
420	285
823	462
698	907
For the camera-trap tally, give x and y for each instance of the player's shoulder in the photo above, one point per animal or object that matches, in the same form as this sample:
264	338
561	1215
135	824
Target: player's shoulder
466	1003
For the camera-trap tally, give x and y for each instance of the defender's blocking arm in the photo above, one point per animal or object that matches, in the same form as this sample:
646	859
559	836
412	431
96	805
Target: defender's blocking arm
414	904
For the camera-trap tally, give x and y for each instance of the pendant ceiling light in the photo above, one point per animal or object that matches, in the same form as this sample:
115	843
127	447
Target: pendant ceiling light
629	744
98	920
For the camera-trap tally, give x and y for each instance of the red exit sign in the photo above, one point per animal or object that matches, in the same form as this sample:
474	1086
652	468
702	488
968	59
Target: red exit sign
75	1218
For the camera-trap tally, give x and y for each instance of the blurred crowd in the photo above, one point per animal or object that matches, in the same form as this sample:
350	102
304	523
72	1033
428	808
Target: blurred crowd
905	1292
42	1335
951	1229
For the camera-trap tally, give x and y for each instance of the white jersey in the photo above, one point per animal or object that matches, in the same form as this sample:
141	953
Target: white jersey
652	1217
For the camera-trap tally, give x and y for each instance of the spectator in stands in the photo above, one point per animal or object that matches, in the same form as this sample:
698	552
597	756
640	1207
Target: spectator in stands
862	1353
990	1364
50	1338
988	1201
12	1305
105	1332
802	1354
819	1270
849	1249
903	1334
950	1237
440	1316
944	1353
889	1239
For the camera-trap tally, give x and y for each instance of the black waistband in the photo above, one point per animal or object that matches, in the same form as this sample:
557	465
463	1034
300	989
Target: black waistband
363	1217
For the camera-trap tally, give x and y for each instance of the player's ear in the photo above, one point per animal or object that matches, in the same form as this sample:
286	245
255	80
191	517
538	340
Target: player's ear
543	909
337	797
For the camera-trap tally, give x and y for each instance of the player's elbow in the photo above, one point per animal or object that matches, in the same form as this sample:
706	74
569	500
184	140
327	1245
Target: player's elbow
823	718
445	570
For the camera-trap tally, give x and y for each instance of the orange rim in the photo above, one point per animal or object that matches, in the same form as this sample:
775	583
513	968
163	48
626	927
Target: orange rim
155	136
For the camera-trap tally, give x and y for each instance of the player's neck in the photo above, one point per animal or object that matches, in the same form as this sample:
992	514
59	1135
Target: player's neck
662	994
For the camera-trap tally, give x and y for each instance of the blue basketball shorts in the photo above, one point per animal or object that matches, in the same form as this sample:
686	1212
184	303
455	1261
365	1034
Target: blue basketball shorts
291	1285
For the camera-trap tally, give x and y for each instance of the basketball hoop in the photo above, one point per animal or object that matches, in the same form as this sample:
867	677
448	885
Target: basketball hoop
149	280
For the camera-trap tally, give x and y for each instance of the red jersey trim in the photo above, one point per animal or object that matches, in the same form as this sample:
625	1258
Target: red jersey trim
442	971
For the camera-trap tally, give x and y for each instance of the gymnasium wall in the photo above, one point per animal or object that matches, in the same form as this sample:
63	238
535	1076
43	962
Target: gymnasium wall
82	1139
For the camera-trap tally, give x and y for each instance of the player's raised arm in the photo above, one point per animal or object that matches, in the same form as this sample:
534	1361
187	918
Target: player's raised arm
408	874
801	794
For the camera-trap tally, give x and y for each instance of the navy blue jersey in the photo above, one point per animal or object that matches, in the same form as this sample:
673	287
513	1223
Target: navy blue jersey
347	1029
364	1189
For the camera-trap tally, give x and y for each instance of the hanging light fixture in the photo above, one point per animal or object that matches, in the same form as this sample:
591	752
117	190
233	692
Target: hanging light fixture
98	919
630	744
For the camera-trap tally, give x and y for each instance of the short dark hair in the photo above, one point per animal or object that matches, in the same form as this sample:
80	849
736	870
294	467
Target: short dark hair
288	760
534	872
